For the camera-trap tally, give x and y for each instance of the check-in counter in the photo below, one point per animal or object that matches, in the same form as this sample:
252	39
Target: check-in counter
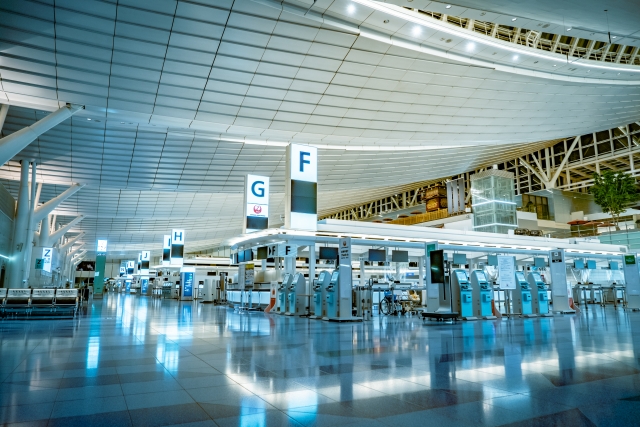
261	297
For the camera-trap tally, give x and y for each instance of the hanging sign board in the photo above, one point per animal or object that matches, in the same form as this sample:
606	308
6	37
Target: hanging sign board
345	251
166	250
507	272
287	251
256	205
46	256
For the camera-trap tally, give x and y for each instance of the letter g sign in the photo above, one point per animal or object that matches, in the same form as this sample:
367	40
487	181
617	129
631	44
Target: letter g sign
257	188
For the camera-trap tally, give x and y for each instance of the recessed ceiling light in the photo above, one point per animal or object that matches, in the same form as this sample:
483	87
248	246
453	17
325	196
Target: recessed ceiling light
515	57
386	21
448	6
121	123
88	119
417	30
554	65
514	19
471	46
568	29
613	37
351	9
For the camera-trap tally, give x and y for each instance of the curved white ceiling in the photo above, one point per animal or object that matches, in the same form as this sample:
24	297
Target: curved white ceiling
190	96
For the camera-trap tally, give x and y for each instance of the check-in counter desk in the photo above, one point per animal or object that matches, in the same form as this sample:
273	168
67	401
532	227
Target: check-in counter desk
259	297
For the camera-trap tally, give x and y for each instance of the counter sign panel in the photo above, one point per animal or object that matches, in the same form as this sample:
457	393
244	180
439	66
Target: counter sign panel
177	247
301	188
166	250
256	203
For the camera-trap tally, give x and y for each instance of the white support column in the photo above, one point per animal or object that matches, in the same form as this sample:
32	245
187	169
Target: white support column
60	232
312	267
28	243
17	141
45	209
14	276
4	109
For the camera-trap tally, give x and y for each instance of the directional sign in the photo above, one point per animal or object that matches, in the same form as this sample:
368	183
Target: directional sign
39	264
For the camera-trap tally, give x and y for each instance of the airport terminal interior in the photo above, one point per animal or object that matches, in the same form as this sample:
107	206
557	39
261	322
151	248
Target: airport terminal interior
319	213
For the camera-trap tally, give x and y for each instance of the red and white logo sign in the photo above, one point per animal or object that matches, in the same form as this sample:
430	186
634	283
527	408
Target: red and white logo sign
257	209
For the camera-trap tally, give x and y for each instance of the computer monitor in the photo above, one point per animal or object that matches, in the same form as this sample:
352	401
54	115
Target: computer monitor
377	255
400	256
328	253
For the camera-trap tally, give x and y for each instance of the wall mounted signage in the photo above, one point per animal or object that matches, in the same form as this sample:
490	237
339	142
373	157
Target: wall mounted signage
101	247
47	254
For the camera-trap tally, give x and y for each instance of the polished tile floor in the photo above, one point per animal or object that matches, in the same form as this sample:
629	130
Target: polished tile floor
130	360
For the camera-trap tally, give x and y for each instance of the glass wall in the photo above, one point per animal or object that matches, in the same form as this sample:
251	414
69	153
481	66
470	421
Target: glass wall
492	200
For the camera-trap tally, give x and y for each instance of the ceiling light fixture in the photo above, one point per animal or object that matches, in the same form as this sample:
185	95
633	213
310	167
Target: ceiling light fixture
514	19
450	29
515	57
351	9
88	119
448	6
568	29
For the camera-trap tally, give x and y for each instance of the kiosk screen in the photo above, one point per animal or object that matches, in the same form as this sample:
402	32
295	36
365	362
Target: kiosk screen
321	276
520	276
481	276
536	277
462	276
334	276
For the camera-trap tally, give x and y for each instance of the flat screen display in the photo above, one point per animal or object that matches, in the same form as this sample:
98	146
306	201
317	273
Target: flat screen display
539	262
263	252
462	276
321	276
436	261
579	264
328	253
536	277
459	259
520	276
241	256
481	277
377	255
334	276
400	256
248	255
591	264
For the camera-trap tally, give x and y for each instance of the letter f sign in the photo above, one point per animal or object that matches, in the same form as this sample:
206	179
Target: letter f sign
304	154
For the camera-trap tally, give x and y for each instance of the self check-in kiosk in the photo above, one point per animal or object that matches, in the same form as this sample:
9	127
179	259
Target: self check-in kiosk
462	295
522	298
482	295
332	296
282	293
320	294
295	296
539	297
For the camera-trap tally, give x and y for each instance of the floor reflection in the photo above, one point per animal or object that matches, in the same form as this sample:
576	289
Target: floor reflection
157	359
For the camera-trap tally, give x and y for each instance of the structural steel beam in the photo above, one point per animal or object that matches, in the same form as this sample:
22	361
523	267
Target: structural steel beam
44	210
17	141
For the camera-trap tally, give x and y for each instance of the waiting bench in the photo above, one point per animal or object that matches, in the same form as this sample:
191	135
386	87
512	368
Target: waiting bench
42	301
66	301
17	301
